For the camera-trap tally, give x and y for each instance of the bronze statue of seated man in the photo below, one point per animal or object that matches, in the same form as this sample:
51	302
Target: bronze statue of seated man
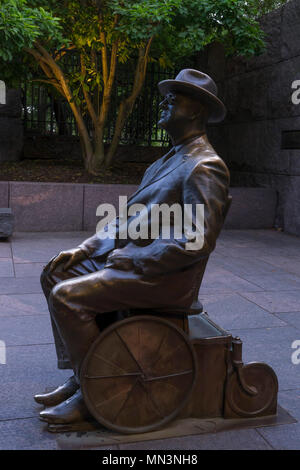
103	276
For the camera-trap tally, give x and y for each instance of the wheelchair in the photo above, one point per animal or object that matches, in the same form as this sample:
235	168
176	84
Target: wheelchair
152	366
145	370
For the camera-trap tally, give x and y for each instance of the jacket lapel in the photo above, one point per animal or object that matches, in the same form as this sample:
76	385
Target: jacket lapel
166	168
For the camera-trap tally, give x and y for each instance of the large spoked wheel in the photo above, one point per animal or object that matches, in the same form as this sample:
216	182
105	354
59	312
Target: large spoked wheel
138	374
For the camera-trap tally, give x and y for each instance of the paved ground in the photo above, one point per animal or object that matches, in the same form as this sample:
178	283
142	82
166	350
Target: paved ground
251	287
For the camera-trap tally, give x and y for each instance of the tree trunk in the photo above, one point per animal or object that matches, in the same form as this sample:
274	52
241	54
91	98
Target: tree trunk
93	161
93	155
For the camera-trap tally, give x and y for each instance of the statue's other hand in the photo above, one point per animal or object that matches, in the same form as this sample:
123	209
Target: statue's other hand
68	257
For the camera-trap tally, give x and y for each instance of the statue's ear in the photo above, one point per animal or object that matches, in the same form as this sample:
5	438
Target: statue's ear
200	113
195	116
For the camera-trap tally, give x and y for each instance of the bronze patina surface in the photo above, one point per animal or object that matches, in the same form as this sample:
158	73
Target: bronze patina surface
141	372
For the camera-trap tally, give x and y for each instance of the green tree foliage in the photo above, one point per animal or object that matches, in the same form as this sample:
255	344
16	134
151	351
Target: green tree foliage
104	33
265	6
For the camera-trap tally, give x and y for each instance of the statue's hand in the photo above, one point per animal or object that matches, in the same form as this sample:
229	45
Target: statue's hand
68	257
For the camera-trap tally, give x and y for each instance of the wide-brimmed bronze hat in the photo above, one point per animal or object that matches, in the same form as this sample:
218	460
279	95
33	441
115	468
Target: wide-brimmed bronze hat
199	85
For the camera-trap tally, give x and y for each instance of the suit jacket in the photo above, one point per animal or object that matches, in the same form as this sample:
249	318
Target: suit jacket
194	174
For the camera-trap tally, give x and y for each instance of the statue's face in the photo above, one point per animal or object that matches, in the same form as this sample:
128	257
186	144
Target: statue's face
167	110
176	111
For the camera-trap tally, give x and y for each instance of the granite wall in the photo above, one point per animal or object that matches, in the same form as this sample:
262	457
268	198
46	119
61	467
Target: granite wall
63	207
256	140
11	127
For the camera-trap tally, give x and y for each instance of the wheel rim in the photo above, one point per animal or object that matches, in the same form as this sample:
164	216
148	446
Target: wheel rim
138	374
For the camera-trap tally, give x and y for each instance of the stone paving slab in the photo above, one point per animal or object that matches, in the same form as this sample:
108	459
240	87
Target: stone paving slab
219	279
20	285
275	281
5	249
278	301
247	267
292	319
6	267
26	330
29	370
232	311
270	246
273	346
290	264
290	400
287	436
251	288
25	434
23	304
28	269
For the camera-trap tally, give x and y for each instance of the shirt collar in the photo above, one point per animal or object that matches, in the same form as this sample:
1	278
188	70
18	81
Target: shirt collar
186	142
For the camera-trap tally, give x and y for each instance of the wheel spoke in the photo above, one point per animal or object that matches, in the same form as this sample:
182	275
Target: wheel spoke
170	353
106	400
152	379
126	400
130	374
158	350
152	400
114	366
129	351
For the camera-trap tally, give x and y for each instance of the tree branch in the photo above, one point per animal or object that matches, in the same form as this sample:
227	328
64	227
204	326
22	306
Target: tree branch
109	84
64	50
87	98
127	104
46	69
104	57
51	82
59	75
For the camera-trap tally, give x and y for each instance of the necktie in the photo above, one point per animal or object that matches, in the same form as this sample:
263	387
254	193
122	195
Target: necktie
164	160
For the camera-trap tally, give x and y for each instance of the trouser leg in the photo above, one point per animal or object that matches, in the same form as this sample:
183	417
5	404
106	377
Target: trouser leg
77	335
48	281
75	303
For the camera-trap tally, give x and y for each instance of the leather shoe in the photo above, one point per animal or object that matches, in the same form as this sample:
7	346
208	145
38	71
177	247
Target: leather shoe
60	394
69	411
